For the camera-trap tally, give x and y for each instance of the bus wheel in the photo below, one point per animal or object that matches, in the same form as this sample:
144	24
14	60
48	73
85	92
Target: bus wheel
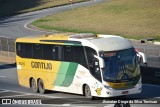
34	86
41	86
126	105
87	92
118	105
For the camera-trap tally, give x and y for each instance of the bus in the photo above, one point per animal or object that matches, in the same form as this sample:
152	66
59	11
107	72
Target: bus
94	65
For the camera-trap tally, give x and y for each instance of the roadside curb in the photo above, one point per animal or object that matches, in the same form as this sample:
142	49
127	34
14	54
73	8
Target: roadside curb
7	60
156	43
146	43
34	28
7	57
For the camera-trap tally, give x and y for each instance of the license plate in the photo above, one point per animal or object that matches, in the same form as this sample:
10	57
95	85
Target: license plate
125	92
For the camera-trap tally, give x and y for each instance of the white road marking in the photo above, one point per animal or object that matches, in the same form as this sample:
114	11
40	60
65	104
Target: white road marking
25	26
56	105
2	76
156	43
4	91
151	85
47	96
156	97
109	105
31	93
15	95
82	106
66	104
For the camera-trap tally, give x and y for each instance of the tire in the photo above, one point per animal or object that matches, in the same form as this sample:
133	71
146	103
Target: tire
122	97
87	92
117	105
34	86
41	86
126	105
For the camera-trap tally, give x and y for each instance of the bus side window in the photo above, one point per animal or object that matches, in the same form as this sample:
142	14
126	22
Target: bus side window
80	55
69	54
96	71
20	49
59	53
37	51
48	52
28	50
93	63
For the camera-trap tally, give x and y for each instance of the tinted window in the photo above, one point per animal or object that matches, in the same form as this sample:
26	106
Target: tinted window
59	54
93	63
37	51
56	52
20	49
80	55
28	50
69	54
48	52
90	54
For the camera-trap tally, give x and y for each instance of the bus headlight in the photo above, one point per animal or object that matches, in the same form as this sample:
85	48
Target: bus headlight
139	82
107	87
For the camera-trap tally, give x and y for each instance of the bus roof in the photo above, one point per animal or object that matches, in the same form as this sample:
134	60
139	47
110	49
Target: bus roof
112	43
98	42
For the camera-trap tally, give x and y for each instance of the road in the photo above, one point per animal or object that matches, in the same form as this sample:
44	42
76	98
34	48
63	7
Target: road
15	26
11	89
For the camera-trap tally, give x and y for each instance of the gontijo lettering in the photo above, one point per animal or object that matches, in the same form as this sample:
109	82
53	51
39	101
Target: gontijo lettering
41	65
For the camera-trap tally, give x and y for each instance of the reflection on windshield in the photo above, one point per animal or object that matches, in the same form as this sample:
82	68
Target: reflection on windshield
122	65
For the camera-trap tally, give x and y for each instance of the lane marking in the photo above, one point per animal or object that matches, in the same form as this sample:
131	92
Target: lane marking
66	104
109	105
14	95
2	76
47	96
4	91
151	85
57	105
32	94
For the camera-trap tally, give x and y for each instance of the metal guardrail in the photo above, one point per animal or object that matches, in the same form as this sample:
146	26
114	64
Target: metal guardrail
7	46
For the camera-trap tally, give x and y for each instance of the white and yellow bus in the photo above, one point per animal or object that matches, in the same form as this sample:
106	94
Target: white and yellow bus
88	64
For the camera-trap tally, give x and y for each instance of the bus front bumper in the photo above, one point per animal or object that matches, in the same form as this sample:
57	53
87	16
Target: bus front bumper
113	93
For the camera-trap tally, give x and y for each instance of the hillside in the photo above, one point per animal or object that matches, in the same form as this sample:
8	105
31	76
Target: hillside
129	18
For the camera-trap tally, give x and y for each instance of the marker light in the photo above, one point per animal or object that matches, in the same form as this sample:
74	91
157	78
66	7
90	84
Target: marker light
108	54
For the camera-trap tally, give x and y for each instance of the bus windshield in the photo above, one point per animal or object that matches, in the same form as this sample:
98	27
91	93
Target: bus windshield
121	65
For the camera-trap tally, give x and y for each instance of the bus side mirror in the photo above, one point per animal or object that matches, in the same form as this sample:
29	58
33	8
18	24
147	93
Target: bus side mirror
101	61
142	57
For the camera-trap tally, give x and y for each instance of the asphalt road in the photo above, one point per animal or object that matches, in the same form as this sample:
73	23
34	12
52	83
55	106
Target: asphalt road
15	26
9	88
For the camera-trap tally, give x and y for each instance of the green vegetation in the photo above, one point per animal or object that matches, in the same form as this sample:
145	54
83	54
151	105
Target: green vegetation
11	7
135	19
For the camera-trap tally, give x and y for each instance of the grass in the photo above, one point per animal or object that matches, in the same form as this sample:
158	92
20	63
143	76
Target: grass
136	19
12	7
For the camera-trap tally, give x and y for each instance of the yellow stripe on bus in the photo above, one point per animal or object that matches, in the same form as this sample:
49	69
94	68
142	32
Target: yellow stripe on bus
29	68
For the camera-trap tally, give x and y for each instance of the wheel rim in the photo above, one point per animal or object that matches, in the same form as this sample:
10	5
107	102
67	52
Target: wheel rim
87	91
41	86
33	84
